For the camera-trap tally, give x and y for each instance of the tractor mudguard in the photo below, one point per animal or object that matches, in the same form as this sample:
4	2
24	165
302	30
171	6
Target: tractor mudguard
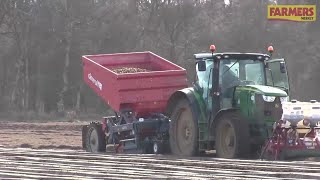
187	93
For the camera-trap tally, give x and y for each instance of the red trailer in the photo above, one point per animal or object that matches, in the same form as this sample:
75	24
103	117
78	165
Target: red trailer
139	99
142	92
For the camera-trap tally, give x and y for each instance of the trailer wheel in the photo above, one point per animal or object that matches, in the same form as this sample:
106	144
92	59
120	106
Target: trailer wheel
232	136
183	130
157	148
96	141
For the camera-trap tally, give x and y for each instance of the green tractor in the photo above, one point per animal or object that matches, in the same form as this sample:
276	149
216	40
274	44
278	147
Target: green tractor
232	106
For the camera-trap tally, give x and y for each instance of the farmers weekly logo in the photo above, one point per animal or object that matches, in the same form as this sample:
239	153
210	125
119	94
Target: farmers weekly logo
299	13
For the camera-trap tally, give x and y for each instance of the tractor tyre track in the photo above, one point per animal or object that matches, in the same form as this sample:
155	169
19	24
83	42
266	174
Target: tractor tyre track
71	164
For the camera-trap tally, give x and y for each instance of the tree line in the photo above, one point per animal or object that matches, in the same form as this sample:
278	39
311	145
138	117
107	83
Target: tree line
42	41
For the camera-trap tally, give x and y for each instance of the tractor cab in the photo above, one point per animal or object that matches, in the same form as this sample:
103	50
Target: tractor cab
245	88
219	75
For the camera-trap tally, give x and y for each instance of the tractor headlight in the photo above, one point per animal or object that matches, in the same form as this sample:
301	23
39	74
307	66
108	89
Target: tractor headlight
284	99
268	98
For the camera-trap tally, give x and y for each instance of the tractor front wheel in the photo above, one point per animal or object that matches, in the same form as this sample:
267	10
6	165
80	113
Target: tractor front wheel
232	136
183	130
95	139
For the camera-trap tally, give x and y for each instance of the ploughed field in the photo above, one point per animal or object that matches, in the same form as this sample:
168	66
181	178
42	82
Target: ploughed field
53	150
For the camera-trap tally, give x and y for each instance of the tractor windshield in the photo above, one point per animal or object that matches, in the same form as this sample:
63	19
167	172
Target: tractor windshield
251	71
233	72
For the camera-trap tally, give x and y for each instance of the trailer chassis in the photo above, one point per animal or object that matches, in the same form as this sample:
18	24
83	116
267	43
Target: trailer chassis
129	134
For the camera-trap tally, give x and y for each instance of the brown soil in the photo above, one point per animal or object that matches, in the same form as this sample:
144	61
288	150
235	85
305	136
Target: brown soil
54	135
23	163
63	135
18	161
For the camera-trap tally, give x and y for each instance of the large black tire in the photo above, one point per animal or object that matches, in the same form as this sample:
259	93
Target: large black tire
232	136
95	139
183	130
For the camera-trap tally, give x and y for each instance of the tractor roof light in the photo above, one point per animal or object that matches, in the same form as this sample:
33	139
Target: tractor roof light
270	49
212	48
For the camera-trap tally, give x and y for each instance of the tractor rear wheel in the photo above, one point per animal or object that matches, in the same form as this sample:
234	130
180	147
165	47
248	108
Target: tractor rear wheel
95	141
232	136
183	130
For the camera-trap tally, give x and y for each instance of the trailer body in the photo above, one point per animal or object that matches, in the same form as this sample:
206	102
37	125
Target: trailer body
138	98
141	92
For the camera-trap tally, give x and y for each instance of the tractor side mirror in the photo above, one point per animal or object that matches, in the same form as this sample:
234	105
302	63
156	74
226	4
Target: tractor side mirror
282	67
202	66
